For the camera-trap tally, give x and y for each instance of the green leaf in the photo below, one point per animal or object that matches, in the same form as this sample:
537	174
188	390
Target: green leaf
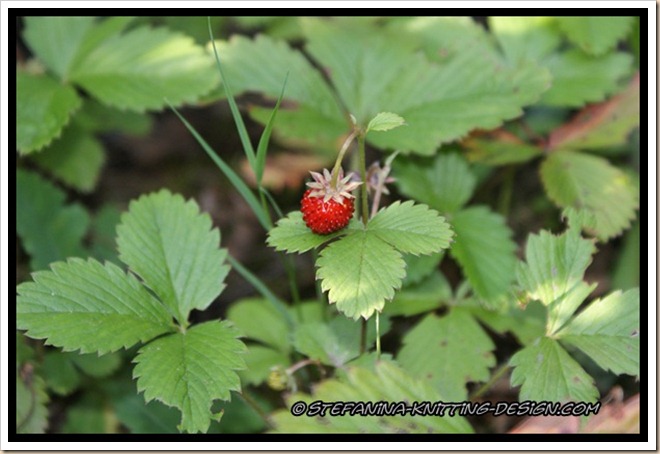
525	38
444	182
42	209
261	65
561	309
189	370
259	320
384	121
259	362
31	400
627	269
56	40
320	342
602	125
78	305
388	384
578	78
448	352
554	265
140	417
337	342
292	235
412	229
87	416
140	68
592	184
496	152
95	116
443	103
60	373
526	325
595	35
608	331
43	109
98	366
75	158
360	272
418	267
371	76
104	225
442	38
425	296
547	372
485	251
173	248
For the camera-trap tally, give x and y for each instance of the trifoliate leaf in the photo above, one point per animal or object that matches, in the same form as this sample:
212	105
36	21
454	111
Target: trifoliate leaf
57	40
89	307
595	35
578	78
444	182
385	121
388	385
411	228
360	272
141	68
189	370
75	158
259	320
485	251
592	184
561	309
547	372
554	265
439	103
448	352
43	109
42	209
608	331
292	235
602	125
173	248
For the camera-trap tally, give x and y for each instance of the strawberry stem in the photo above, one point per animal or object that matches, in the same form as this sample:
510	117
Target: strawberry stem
363	175
340	157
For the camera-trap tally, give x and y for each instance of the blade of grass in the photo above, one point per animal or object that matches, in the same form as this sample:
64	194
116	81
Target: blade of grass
272	201
240	125
261	288
236	181
265	136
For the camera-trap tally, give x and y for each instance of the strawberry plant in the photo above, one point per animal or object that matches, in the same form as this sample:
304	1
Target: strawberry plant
450	248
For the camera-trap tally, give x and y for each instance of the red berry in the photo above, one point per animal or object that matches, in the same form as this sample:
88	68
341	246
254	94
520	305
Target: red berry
325	217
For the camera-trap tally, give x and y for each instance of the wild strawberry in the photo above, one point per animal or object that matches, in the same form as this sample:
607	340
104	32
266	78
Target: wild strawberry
327	208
